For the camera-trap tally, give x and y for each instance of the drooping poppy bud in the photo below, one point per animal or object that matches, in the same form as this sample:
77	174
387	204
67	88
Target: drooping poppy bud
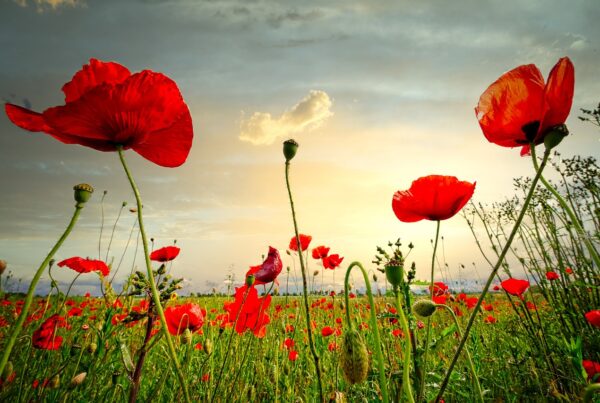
186	337
290	147
92	347
208	346
424	308
83	192
55	382
78	379
354	357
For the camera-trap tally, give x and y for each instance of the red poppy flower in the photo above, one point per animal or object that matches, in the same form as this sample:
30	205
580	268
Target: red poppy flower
82	265
185	316
332	261
397	333
551	275
593	317
519	108
45	337
106	107
496	288
439	289
490	319
320	252
433	197
165	254
515	287
304	242
591	368
269	269
568	270
250	311
326	331
289	343
293	355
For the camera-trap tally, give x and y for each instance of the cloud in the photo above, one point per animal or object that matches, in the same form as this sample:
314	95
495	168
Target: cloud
308	114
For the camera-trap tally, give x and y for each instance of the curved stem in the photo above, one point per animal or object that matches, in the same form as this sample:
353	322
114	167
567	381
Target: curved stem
380	362
29	299
428	334
574	220
67	293
407	348
469	359
155	295
497	266
304	285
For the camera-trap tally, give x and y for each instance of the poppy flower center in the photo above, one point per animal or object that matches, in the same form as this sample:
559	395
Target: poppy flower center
530	129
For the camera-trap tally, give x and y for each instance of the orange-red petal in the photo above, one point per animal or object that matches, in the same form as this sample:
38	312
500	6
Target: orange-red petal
92	75
558	94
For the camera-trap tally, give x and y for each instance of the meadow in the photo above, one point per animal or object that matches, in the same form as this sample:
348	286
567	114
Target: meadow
532	336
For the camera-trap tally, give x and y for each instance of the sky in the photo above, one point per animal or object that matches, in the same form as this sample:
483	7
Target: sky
377	94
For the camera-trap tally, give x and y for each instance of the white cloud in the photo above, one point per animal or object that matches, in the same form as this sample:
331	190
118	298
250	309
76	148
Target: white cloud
308	114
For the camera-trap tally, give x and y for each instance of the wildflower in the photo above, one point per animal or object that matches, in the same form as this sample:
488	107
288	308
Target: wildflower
519	108
438	289
591	368
433	197
551	275
107	107
320	252
45	337
269	269
326	331
593	318
515	287
304	242
81	265
186	316
250	311
490	319
332	261
165	254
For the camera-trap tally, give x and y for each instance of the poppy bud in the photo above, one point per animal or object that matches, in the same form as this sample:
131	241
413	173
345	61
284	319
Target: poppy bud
83	192
115	377
555	135
374	277
92	347
8	370
186	337
394	274
208	346
354	357
2	266
316	273
162	270
424	308
290	147
250	280
75	348
78	379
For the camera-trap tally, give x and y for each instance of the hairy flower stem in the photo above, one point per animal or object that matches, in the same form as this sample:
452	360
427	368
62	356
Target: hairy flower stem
574	220
137	375
304	285
497	266
155	295
428	334
407	348
16	329
380	361
469	359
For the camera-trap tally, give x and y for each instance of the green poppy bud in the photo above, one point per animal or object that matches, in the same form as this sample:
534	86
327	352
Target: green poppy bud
424	308
83	192
290	147
250	280
208	346
92	347
55	382
354	358
186	337
554	136
394	274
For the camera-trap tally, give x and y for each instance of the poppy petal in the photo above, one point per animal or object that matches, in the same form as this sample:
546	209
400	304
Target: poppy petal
25	118
169	147
92	75
514	100
558	94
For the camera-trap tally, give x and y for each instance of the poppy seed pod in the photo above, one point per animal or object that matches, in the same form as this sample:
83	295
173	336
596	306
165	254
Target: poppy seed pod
354	357
394	274
83	192
2	266
555	135
290	147
424	308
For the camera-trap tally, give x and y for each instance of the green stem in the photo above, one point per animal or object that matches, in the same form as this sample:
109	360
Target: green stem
428	334
570	213
29	299
497	266
407	348
594	388
304	285
469	359
155	295
380	361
